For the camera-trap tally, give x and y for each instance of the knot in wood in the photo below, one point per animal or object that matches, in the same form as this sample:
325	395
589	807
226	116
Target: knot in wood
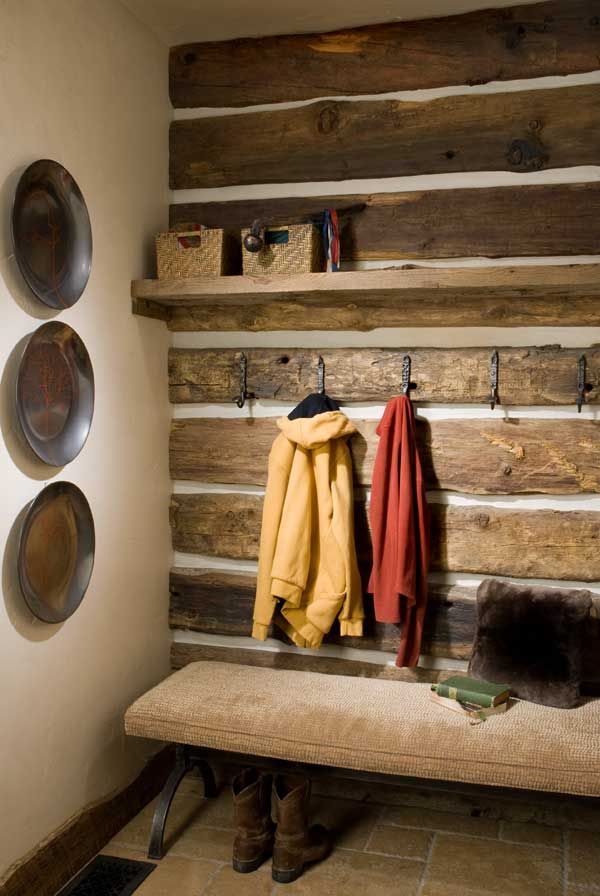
329	119
482	520
507	469
515	34
526	155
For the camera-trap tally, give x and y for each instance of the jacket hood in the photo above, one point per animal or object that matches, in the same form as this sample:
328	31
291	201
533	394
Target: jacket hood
309	432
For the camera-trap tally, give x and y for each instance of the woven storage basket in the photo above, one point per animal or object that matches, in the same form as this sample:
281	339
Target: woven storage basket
302	254
192	253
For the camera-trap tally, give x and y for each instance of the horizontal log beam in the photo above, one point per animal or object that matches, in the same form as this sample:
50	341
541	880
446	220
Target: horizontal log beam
556	38
218	602
527	376
482	540
340	140
221	603
475	456
183	654
561	219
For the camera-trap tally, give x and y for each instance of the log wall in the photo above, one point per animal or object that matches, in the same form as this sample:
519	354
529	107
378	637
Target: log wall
505	155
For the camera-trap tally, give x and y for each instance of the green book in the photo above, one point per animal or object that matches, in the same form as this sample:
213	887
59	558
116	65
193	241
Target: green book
471	690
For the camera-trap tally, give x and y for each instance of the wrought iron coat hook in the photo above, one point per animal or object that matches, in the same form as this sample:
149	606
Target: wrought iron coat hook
321	376
241	398
406	369
581	365
494	399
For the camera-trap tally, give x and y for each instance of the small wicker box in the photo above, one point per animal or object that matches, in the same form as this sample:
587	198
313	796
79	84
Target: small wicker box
301	254
192	253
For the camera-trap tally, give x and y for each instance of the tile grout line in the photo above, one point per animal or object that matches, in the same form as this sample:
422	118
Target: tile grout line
218	869
386	855
375	824
446	833
427	865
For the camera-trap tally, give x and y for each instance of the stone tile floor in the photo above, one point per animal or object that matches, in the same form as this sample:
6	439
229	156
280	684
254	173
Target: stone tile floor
403	841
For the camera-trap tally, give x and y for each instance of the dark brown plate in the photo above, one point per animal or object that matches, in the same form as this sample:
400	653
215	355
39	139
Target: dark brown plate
52	234
56	552
55	393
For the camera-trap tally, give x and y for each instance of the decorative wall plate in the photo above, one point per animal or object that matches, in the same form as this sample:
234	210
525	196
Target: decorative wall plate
52	234
55	393
56	552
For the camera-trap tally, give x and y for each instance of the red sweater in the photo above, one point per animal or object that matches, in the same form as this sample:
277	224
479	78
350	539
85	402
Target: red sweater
400	529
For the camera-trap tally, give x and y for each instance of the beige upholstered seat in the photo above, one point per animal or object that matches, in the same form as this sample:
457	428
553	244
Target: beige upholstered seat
370	725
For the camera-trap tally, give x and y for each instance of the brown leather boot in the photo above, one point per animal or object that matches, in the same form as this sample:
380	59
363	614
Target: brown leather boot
296	845
254	838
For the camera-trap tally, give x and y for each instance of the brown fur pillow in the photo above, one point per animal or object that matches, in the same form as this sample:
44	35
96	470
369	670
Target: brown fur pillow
531	637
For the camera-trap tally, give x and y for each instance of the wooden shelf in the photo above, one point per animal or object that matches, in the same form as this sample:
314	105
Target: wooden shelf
528	295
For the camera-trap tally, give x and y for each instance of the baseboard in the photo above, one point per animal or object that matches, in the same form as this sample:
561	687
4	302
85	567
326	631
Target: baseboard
57	859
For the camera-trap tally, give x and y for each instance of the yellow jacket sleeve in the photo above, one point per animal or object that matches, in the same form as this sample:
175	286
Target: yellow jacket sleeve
342	490
291	561
280	462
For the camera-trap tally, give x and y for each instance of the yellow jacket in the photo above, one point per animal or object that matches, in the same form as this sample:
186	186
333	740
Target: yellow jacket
307	570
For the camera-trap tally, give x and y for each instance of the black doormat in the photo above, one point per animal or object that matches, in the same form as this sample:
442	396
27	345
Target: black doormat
108	876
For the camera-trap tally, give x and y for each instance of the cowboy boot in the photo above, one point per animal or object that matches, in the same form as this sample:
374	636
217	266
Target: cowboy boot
252	816
296	845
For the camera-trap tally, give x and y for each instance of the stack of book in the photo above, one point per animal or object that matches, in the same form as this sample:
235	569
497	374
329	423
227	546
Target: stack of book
472	698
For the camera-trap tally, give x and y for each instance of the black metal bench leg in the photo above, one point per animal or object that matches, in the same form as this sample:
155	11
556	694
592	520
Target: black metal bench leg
208	777
184	763
182	766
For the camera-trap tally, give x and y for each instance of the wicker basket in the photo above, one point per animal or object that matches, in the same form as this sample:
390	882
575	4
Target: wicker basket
192	253
301	254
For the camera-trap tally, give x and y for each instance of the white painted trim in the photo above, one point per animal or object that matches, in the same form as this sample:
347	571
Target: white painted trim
472	580
376	657
374	411
561	503
394	337
407	96
185	487
474	261
204	561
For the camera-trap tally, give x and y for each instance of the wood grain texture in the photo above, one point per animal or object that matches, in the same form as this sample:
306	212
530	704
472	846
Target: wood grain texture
340	140
221	603
556	38
562	219
529	295
557	457
183	654
527	376
65	852
544	544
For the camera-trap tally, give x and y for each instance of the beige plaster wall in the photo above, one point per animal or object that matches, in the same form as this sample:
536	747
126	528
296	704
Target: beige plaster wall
83	82
185	21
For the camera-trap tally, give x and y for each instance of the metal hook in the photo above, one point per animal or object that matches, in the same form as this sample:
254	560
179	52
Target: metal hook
241	399
494	399
321	376
581	365
406	365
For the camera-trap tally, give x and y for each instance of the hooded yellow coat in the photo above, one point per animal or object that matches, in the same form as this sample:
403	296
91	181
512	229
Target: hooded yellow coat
307	570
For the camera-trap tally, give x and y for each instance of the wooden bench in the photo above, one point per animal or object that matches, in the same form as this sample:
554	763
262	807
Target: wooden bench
382	728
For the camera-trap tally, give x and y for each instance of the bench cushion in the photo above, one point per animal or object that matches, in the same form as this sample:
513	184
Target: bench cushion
370	725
